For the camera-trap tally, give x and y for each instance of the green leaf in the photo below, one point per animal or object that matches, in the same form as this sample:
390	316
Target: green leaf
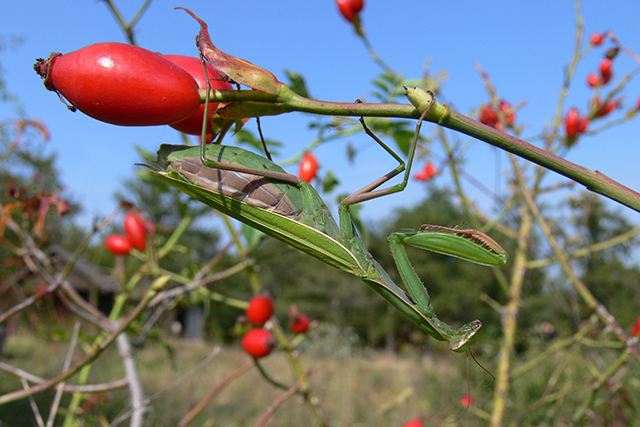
403	139
243	136
329	182
297	83
351	152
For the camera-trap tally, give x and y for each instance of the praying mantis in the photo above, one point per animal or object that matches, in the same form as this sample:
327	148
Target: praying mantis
259	193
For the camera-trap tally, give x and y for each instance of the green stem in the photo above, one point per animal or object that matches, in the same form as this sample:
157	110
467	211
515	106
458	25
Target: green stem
509	320
288	101
602	378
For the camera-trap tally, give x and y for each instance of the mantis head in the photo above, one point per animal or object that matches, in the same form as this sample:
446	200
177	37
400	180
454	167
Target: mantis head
465	336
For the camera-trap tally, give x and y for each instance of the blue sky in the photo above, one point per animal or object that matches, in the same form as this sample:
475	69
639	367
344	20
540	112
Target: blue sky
522	45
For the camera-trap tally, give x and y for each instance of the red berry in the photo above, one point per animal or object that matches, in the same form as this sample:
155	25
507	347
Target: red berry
193	124
258	342
635	330
638	103
511	117
308	167
427	173
466	400
350	8
573	123
136	231
357	5
584	123
260	309
596	39
605	69
488	116
605	109
417	422
299	324
122	84
593	80
118	244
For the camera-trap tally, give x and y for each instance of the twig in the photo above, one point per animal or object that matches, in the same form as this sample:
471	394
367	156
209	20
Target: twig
135	385
93	353
509	320
205	401
34	407
60	386
578	284
202	282
94	388
128	27
597	247
171	386
278	401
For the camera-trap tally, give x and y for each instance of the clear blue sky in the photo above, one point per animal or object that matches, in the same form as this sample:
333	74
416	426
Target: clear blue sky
523	45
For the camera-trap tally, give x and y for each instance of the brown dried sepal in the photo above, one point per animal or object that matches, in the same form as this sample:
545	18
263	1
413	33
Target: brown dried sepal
236	69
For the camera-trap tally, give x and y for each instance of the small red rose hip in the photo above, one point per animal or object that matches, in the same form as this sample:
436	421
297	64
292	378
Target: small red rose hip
605	69
135	228
572	123
258	342
584	123
510	118
260	309
596	39
308	167
606	109
593	80
417	422
298	323
466	400
350	8
488	116
427	173
122	84
118	244
635	329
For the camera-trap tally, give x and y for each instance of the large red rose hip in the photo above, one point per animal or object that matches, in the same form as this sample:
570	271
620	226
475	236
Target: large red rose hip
122	84
193	124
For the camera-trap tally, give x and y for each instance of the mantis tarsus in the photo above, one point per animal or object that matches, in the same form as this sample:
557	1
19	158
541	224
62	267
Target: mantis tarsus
259	193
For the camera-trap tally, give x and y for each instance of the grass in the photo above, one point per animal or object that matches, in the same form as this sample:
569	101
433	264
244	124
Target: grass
354	388
374	389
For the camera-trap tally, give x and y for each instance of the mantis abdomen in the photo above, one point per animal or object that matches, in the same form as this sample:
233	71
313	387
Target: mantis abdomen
254	190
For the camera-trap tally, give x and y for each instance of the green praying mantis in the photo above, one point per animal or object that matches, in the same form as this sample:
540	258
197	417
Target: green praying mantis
259	193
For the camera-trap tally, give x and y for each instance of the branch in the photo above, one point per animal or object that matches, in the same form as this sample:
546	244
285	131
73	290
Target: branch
258	103
60	386
222	384
95	351
135	384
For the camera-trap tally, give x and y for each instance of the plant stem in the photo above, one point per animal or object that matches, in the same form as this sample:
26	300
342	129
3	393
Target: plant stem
509	320
260	103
